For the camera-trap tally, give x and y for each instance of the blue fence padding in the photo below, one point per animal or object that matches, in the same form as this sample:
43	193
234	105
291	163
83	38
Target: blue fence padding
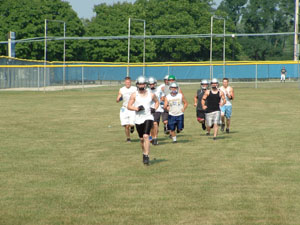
264	71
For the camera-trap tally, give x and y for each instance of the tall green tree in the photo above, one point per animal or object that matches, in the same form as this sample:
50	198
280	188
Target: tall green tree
112	20
26	18
262	16
163	17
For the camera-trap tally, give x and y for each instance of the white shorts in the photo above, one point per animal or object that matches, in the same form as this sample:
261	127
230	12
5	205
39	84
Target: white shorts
282	77
127	117
213	118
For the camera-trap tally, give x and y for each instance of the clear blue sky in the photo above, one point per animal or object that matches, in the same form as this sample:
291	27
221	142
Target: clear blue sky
84	8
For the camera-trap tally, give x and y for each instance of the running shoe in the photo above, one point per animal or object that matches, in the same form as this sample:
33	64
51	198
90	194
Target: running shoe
222	127
145	159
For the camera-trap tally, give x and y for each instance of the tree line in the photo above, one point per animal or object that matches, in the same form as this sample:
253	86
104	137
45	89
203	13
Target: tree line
163	17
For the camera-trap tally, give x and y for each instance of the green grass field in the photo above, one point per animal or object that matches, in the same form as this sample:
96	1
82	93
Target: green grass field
64	160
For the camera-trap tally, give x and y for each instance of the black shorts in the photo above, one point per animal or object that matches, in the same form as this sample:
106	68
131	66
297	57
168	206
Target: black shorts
200	114
165	116
156	116
144	128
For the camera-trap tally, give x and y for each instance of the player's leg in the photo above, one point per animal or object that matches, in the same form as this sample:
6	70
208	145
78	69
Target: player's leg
140	128
171	127
223	109
209	122
125	121
180	122
164	118
201	118
147	128
156	127
127	132
216	122
228	117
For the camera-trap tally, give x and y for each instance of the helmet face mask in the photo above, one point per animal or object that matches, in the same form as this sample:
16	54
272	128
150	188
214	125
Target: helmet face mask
152	83
204	84
214	83
173	88
141	83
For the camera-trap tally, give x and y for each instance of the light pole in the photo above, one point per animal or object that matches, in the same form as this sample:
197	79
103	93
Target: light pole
224	42
144	50
64	55
296	29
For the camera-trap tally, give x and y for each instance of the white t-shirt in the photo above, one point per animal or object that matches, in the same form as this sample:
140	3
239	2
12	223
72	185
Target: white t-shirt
176	104
142	116
126	93
158	93
226	91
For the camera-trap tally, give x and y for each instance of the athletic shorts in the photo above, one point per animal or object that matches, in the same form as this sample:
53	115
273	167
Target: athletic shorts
226	110
144	128
213	118
175	121
156	116
200	115
127	117
164	116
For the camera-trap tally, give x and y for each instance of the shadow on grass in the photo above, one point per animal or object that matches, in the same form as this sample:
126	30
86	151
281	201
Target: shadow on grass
167	141
219	137
156	161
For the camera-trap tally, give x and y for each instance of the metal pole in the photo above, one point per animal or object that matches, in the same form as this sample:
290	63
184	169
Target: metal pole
82	78
38	78
296	29
256	76
144	52
45	53
64	69
128	56
210	55
224	49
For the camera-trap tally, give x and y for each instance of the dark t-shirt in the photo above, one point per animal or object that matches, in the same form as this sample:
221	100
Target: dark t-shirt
283	71
213	101
200	94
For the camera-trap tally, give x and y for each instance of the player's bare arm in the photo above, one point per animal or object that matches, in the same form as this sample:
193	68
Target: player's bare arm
195	100
119	97
185	103
231	94
131	102
223	102
154	98
204	99
166	105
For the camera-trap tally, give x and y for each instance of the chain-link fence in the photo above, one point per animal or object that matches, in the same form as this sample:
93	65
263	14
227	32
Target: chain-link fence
16	73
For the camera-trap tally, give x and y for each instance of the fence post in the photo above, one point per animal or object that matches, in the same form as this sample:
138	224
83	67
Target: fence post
256	76
38	78
82	78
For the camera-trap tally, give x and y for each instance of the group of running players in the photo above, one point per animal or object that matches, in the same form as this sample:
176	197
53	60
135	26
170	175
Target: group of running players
145	104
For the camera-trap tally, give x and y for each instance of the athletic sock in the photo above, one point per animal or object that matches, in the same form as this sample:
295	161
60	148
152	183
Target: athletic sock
174	138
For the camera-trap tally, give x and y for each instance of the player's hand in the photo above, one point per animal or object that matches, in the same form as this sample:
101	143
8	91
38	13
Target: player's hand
152	110
204	107
182	110
195	104
140	108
